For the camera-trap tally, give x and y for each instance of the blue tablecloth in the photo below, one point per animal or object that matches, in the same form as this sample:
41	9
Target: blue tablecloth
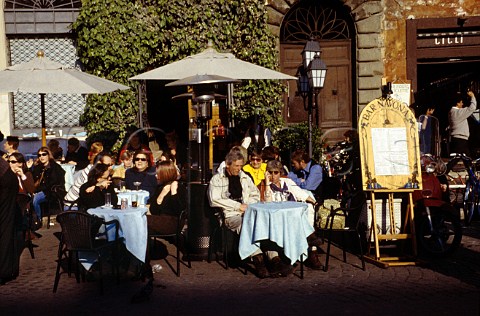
143	196
284	223
133	227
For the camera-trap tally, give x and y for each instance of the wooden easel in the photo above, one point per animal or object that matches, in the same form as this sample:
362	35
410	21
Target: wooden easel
385	262
390	158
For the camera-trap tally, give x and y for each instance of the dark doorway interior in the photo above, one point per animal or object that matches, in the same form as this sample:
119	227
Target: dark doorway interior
438	82
167	116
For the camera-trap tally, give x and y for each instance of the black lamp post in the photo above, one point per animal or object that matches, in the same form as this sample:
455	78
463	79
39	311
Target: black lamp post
311	78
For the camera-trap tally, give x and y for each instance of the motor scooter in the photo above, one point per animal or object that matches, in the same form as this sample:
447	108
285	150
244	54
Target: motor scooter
437	222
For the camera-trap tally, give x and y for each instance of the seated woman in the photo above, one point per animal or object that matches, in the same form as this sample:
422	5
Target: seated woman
134	143
126	159
284	189
92	193
169	200
142	172
47	174
256	168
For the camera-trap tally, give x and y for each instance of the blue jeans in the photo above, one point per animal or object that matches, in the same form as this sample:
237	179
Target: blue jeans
39	198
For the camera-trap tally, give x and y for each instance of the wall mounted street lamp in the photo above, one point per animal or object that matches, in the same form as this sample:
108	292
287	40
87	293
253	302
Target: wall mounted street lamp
311	79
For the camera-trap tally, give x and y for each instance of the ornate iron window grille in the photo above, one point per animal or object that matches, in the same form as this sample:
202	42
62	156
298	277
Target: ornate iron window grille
310	20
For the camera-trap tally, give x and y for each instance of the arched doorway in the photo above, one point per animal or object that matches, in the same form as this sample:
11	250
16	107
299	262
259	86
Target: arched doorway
331	24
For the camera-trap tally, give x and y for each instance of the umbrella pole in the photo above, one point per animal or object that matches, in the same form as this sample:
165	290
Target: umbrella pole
42	110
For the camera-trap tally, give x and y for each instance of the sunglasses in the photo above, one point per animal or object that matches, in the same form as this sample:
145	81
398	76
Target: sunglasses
42	154
274	172
255	159
13	161
140	159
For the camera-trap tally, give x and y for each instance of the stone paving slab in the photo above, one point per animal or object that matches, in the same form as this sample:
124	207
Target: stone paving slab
443	287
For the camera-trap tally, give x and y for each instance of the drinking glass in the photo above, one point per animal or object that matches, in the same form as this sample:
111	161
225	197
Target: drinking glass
134	200
137	184
108	200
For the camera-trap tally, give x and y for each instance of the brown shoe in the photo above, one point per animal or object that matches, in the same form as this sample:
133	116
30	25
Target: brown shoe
279	268
260	267
312	261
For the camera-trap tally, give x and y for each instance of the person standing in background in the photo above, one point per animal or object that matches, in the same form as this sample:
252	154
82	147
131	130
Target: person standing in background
426	129
459	130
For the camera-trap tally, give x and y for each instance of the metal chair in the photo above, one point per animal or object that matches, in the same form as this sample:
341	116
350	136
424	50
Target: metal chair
354	204
80	233
178	233
218	224
54	203
23	202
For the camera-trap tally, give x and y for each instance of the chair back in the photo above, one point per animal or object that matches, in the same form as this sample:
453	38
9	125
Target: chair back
355	202
79	229
23	201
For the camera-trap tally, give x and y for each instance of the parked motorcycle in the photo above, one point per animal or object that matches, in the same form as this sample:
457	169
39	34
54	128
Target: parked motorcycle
437	223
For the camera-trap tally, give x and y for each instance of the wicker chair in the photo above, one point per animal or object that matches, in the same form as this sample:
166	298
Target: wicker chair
80	233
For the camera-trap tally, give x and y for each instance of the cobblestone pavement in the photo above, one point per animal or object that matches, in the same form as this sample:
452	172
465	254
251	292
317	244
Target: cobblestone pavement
442	287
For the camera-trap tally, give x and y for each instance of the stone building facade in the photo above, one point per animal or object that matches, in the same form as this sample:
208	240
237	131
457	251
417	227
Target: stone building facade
391	41
365	43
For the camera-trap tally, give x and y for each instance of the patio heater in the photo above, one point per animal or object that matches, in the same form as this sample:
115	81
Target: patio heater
202	97
311	79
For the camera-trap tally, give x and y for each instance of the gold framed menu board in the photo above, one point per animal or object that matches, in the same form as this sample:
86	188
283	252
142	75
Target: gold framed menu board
389	146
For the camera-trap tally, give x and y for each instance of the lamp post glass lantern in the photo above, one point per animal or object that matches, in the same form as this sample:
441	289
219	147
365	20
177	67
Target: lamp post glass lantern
311	78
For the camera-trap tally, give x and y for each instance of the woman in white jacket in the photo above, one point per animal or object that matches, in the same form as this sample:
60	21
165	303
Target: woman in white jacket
279	188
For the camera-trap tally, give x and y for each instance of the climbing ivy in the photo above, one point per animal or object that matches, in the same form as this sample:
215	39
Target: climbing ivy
118	39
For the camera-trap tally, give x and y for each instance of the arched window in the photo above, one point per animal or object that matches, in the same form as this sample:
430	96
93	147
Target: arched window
42	4
310	19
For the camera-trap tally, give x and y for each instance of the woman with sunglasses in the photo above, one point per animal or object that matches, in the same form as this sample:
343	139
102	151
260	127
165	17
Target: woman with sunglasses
280	188
26	186
256	168
47	175
142	172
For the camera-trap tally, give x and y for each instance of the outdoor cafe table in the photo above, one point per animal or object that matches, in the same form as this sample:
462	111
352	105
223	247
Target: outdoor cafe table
133	227
284	223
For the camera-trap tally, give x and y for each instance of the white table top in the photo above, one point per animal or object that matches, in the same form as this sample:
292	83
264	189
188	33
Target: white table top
133	227
284	223
143	196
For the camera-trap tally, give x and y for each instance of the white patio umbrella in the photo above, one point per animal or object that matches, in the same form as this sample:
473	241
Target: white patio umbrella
211	62
42	75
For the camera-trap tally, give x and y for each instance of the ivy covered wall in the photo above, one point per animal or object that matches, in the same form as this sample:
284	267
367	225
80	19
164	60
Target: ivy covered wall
118	39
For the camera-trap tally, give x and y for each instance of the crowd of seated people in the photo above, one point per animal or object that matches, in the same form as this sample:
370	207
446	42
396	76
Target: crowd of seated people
239	184
242	180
